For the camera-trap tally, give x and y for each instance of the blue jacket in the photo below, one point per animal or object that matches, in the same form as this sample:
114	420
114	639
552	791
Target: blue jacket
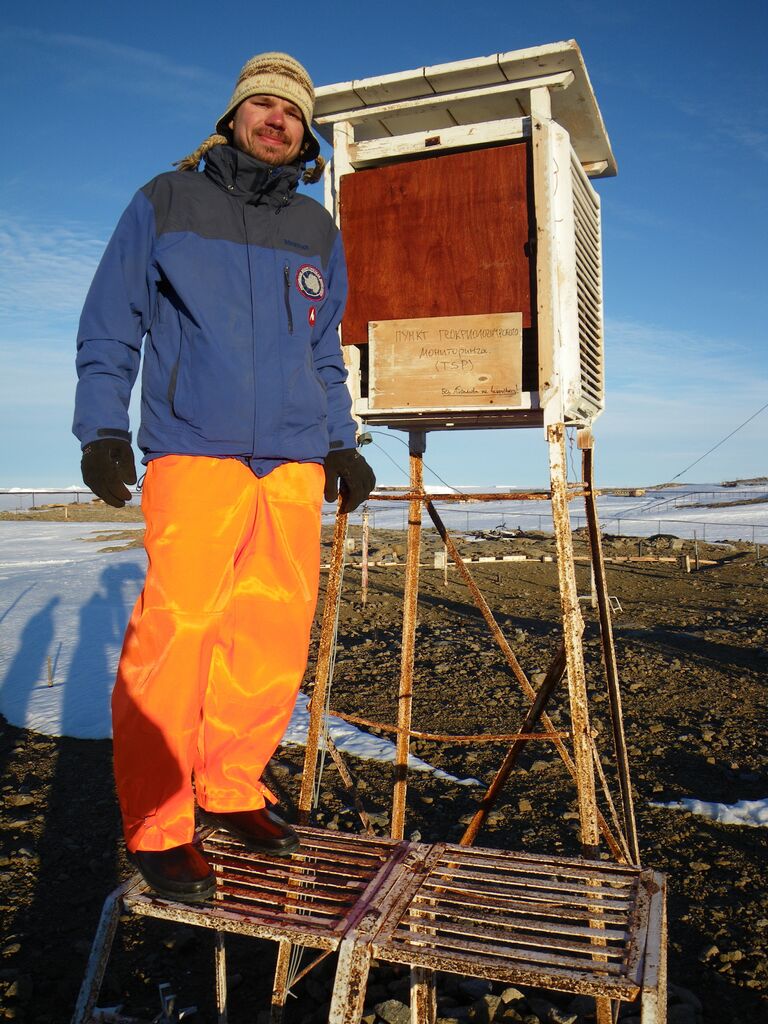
238	283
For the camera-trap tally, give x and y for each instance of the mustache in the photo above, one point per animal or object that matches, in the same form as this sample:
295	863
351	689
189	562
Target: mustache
270	133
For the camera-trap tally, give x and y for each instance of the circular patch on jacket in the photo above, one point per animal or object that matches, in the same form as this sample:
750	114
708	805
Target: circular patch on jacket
310	282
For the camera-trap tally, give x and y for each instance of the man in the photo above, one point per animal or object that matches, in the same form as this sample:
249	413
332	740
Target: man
237	284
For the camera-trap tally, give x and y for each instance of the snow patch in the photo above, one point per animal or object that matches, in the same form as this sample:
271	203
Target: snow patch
753	813
63	620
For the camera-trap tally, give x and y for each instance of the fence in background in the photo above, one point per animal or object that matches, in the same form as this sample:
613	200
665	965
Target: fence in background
22	501
506	517
705	499
506	523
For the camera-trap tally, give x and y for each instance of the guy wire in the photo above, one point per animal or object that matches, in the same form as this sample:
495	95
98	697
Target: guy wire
426	465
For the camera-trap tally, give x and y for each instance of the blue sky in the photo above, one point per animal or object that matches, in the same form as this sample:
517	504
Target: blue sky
97	97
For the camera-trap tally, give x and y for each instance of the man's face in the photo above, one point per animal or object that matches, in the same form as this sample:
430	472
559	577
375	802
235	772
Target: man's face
269	128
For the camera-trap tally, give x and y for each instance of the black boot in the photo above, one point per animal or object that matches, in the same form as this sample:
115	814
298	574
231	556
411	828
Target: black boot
260	830
181	873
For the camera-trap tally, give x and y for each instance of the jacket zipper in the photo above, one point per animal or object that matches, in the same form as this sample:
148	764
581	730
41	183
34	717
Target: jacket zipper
253	331
287	294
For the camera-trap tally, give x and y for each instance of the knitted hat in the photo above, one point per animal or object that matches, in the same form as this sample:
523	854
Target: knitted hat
276	74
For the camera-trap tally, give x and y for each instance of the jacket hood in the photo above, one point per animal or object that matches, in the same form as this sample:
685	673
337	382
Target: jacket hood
250	179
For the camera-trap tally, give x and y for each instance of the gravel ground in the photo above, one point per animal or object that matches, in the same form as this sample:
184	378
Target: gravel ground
692	652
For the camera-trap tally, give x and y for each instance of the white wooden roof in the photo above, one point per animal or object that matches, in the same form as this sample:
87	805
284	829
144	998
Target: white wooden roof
478	90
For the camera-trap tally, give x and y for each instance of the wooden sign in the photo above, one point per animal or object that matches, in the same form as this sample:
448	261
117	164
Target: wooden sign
446	363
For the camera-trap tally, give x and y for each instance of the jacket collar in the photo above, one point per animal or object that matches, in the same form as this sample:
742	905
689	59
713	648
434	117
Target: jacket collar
252	180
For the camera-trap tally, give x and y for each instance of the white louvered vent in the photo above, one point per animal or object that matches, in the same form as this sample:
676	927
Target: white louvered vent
589	288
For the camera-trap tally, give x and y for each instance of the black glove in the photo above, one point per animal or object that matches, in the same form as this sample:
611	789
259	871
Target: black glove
347	470
107	466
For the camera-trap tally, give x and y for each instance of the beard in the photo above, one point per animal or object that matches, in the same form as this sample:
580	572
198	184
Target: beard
276	155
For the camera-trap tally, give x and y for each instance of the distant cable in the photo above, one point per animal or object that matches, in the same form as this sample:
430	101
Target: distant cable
394	437
383	452
641	504
662	496
714	447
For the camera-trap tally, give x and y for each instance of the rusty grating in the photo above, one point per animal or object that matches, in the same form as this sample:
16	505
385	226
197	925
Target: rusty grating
570	925
566	924
312	897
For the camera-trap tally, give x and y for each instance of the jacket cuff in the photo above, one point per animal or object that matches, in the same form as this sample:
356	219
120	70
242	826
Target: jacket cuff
105	432
344	437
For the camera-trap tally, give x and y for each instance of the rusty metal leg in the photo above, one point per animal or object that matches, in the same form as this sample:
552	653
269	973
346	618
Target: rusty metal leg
323	670
423	998
653	1000
604	1010
99	956
573	627
220	958
417	444
350	981
423	994
220	967
280	986
609	653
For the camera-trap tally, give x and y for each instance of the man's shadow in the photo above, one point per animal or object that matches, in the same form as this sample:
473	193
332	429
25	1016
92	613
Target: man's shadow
78	855
28	668
103	620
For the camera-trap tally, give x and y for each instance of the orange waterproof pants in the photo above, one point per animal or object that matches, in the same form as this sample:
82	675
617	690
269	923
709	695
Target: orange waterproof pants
217	643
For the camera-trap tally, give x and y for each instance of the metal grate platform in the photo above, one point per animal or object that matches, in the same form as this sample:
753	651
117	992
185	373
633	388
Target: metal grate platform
312	898
567	925
564	924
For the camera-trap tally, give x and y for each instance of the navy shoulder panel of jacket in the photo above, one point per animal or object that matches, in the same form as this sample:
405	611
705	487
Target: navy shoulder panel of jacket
237	284
202	203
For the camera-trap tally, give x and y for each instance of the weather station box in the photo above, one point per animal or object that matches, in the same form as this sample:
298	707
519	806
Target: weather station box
472	236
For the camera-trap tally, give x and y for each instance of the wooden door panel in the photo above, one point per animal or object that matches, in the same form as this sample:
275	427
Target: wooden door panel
440	236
